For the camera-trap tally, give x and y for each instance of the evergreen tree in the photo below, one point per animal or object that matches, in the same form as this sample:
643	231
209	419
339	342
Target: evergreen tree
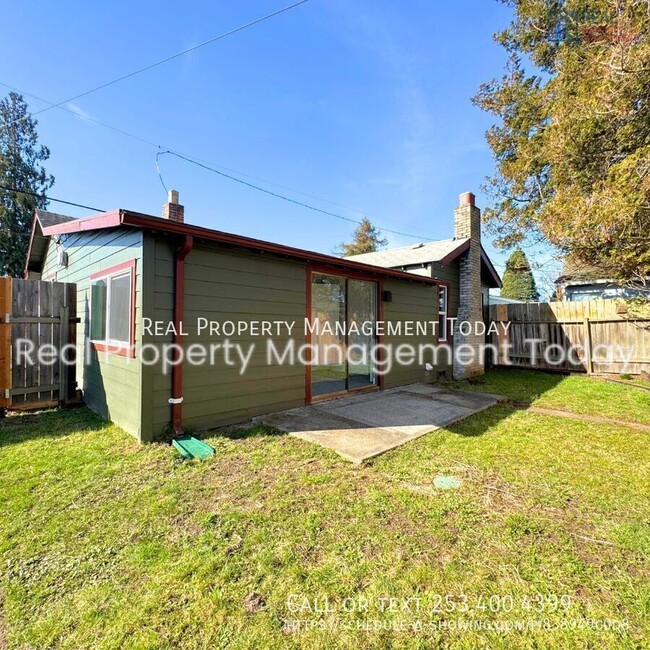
367	239
572	137
518	280
20	169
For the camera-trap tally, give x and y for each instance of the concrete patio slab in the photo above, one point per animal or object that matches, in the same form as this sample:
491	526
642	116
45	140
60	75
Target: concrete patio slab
359	427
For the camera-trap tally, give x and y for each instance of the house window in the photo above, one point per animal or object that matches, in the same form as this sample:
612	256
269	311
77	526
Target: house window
443	301
112	307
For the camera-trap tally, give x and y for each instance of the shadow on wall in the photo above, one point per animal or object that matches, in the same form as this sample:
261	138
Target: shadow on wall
94	392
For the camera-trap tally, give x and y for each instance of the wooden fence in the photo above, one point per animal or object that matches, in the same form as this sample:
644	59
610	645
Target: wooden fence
43	313
596	336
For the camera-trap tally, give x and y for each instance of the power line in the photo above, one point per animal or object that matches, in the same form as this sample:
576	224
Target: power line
170	58
213	168
162	147
50	198
275	194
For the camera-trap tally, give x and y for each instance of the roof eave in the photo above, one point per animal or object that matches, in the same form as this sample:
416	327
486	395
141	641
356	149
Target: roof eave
117	218
104	220
491	269
146	221
31	244
451	256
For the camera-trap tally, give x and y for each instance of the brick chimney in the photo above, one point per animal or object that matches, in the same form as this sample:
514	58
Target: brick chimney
173	210
467	224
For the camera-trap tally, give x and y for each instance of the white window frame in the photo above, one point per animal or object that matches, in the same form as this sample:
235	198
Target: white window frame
109	276
443	337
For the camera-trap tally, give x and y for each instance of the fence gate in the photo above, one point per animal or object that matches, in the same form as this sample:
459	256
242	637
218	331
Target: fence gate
37	313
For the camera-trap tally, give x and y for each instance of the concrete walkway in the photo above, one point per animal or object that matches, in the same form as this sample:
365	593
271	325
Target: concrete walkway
359	427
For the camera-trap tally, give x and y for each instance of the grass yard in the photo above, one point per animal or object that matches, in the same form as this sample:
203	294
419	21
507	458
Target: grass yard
575	393
106	544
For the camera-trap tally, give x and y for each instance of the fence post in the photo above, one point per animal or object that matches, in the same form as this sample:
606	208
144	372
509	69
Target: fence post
5	344
587	339
63	367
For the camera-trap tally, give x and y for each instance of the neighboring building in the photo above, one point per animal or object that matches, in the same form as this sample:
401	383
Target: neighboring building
132	270
500	300
460	265
579	282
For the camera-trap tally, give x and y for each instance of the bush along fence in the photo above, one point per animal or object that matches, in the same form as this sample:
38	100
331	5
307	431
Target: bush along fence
603	337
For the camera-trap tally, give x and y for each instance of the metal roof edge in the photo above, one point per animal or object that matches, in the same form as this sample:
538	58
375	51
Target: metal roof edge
157	223
120	217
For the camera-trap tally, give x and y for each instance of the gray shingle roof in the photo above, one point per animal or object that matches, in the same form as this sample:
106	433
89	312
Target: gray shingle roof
433	251
51	218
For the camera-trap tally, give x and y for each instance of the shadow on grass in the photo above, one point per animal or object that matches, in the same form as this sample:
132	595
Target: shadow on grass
516	385
517	389
243	433
54	423
477	424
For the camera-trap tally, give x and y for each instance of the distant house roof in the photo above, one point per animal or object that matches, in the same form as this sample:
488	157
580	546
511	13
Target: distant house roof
433	251
442	252
574	271
47	224
500	300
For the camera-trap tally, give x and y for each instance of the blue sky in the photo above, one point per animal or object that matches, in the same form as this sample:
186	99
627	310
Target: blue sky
365	104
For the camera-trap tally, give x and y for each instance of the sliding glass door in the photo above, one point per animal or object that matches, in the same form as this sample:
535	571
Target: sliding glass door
344	311
362	311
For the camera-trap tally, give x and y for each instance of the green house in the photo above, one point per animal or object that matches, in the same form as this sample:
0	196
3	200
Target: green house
184	326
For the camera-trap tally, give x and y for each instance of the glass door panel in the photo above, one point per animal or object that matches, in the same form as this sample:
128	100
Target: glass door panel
328	306
362	310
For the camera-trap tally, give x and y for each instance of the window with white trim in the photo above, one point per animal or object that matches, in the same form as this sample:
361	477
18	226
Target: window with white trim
443	296
111	308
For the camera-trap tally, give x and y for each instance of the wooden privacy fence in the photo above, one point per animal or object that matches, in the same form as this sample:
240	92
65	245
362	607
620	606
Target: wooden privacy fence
39	313
595	336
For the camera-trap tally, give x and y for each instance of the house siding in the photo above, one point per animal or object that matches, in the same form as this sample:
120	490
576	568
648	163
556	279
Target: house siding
221	284
410	302
449	274
226	285
111	383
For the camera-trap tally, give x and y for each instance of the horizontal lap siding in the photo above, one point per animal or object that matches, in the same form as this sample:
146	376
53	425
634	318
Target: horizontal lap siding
449	274
110	383
226	285
159	306
410	302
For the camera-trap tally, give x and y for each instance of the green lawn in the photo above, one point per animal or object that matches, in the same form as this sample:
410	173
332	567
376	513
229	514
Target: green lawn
575	393
106	544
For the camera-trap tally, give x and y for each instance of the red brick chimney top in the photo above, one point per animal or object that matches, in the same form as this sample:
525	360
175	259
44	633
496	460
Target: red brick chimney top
467	198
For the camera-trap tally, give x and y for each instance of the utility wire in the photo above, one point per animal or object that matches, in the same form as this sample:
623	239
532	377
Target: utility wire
169	58
49	198
162	182
275	194
162	147
212	167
